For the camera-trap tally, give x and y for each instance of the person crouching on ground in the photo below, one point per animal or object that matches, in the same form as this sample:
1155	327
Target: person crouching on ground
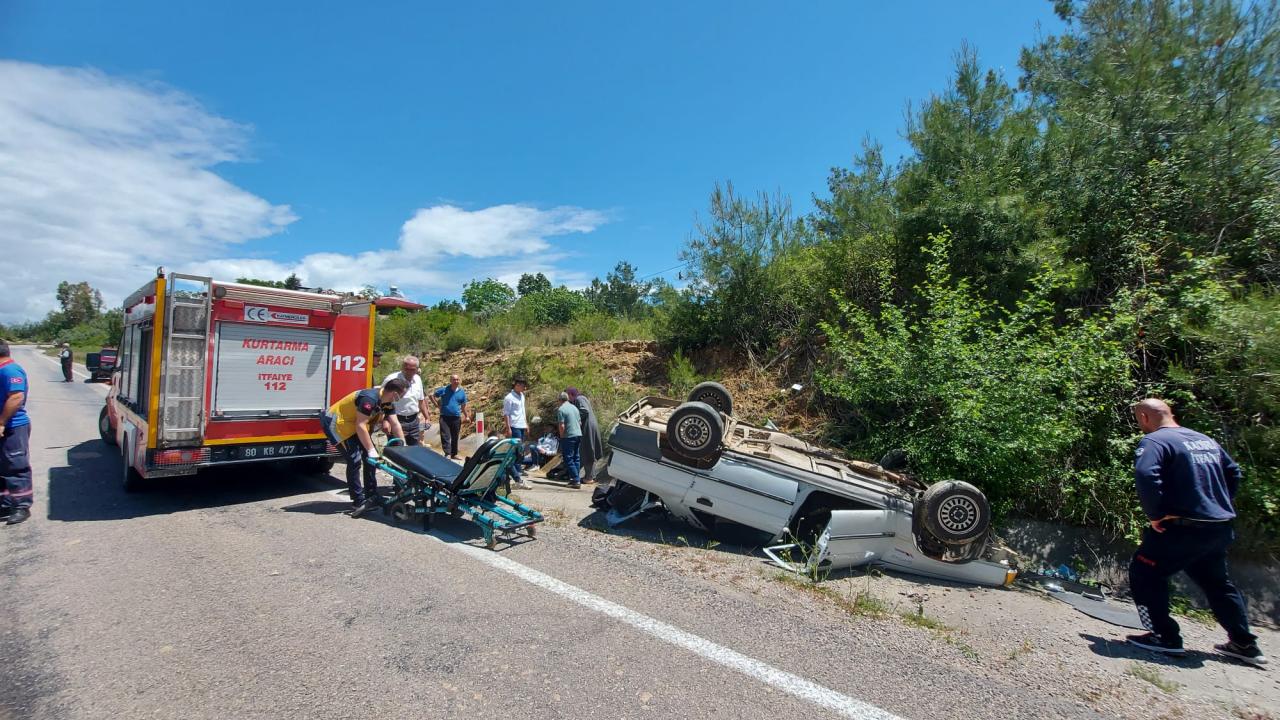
547	447
570	423
347	424
1186	484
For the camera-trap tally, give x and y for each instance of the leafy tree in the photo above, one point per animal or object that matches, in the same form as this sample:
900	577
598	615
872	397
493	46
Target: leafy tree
368	292
530	284
744	290
620	293
557	306
1008	400
293	282
80	302
448	306
261	283
487	296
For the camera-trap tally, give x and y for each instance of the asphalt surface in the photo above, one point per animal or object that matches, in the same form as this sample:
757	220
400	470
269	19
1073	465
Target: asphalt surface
247	594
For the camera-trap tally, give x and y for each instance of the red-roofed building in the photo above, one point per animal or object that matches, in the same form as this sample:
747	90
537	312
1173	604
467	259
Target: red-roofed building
388	303
394	300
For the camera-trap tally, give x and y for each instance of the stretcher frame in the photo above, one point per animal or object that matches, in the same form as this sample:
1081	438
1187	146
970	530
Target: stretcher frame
416	495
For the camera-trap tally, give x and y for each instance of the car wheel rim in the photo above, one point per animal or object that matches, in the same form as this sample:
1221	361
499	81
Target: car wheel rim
958	514
694	432
711	399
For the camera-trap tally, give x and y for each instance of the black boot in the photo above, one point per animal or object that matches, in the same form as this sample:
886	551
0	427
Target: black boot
18	515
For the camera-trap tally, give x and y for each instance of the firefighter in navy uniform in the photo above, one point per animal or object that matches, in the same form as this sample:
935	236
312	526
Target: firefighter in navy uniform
1186	484
347	424
15	445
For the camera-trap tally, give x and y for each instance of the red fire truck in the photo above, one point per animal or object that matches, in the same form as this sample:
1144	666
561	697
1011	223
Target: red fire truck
213	373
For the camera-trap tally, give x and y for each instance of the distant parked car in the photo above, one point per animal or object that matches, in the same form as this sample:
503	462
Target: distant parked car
821	510
101	364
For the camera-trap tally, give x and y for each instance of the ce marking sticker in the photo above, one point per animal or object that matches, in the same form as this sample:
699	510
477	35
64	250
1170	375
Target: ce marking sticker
256	314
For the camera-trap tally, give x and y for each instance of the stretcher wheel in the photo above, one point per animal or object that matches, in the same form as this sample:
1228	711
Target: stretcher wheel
533	531
401	512
491	542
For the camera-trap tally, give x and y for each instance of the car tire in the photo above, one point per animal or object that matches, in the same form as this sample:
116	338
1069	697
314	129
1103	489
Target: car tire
695	431
713	394
105	431
955	512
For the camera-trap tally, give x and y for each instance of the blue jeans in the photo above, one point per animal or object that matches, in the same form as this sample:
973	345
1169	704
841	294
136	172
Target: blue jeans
514	472
572	461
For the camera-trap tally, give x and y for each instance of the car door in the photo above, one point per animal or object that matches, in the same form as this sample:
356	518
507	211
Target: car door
855	537
745	491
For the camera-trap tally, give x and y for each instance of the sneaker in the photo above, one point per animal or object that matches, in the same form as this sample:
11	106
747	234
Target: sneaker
526	485
575	485
363	508
1155	643
1244	653
18	515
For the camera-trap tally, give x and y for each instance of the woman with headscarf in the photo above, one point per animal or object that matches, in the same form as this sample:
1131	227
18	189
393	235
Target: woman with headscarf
592	447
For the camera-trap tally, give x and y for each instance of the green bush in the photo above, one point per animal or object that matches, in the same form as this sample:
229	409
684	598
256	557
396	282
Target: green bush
555	306
681	375
548	376
1008	400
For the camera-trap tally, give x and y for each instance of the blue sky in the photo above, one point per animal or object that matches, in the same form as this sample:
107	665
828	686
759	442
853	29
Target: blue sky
426	144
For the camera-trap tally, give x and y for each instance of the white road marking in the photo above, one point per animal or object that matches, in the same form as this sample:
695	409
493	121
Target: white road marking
787	682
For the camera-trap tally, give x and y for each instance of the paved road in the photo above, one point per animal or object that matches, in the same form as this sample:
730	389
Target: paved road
248	595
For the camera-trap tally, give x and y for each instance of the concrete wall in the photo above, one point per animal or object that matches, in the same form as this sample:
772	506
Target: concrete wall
1042	544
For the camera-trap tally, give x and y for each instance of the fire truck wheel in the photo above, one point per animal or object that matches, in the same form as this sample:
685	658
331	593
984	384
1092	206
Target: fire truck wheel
105	431
131	479
320	466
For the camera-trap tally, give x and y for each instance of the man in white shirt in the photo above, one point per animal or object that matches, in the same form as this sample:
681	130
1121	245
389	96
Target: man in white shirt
517	425
411	408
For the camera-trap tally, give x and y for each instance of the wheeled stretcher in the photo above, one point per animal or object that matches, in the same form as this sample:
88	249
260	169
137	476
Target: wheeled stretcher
427	483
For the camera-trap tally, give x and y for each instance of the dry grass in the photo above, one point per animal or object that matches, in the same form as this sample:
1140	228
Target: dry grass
1151	675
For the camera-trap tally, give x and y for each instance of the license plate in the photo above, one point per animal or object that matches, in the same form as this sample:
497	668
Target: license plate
259	452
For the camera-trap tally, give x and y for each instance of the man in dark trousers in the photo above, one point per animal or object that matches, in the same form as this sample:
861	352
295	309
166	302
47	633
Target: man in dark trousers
15	446
452	403
347	425
66	358
1186	483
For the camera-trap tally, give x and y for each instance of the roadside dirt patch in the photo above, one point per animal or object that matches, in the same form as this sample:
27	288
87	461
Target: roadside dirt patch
633	369
989	635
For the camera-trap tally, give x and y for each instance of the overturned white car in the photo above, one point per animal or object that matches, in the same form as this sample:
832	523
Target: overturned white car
821	510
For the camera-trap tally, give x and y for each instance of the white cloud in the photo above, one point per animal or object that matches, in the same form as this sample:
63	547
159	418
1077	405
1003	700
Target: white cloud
497	231
440	248
102	179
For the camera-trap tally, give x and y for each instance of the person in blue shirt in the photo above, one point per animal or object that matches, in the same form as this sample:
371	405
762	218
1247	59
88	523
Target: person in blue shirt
15	446
1186	484
569	420
452	403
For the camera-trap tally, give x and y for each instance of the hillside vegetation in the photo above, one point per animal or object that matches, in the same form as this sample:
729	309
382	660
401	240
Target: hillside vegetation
1103	227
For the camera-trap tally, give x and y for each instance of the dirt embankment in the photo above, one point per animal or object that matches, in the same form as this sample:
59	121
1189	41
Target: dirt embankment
616	373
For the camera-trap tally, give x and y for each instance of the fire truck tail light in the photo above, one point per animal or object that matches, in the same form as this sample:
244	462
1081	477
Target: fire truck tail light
182	457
